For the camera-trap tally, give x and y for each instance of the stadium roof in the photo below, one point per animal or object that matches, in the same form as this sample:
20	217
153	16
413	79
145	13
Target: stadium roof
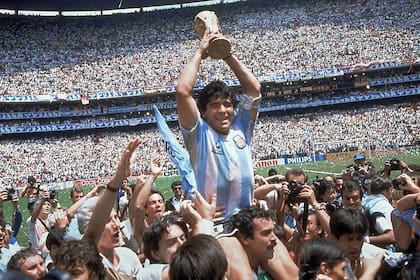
84	5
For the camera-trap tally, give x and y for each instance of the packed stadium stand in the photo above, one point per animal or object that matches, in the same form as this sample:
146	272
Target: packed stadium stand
71	88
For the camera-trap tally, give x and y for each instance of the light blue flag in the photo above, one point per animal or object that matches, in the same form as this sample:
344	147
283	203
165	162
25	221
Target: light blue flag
177	153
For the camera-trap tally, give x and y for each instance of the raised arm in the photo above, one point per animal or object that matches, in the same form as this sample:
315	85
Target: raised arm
35	213
249	83
186	106
140	196
75	206
106	201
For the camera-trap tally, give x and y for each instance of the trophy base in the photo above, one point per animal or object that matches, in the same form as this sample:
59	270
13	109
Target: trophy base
219	48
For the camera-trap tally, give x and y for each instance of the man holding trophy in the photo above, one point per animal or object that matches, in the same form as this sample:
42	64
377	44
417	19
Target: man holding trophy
218	137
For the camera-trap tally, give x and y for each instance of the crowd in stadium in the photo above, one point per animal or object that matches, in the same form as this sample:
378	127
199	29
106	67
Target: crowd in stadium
357	225
82	157
360	224
270	36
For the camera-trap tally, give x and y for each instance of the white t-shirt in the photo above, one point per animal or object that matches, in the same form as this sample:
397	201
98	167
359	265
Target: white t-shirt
129	263
38	231
153	271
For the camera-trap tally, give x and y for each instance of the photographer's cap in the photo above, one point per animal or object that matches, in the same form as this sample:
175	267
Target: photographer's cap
359	156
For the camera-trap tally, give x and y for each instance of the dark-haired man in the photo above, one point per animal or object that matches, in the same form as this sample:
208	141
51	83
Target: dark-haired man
173	203
218	138
81	260
31	192
348	227
29	262
256	234
378	209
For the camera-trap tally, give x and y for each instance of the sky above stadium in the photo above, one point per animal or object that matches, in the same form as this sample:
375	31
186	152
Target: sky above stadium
120	8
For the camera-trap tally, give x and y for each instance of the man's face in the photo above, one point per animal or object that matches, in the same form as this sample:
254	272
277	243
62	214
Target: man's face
155	207
4	237
79	272
352	198
110	237
219	114
76	196
338	184
297	178
33	266
177	190
46	207
261	246
313	230
169	243
351	244
329	195
361	161
338	272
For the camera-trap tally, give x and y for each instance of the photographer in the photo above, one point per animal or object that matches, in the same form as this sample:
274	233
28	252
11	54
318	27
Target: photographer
362	169
405	219
31	192
378	210
7	248
10	195
395	164
42	220
298	193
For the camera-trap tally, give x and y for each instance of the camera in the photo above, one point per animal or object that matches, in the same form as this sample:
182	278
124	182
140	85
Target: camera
356	168
333	205
392	265
10	193
295	187
316	182
53	194
395	164
396	184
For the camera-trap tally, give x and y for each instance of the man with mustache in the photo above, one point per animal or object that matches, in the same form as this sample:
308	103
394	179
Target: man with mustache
255	232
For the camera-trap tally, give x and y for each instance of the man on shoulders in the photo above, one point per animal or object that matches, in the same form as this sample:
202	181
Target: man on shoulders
218	138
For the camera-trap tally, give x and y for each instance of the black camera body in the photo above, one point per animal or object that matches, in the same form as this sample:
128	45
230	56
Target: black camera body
395	164
392	265
356	167
397	184
333	205
10	193
295	188
53	194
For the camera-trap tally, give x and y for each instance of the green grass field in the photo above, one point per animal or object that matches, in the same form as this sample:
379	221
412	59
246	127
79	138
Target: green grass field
163	183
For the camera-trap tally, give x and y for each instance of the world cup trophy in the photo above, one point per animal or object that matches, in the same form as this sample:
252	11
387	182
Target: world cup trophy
219	47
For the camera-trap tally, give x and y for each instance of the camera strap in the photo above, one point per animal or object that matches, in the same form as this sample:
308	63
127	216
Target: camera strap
305	215
42	222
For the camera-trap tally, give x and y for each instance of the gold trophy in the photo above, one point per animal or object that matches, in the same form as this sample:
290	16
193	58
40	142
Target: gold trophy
219	47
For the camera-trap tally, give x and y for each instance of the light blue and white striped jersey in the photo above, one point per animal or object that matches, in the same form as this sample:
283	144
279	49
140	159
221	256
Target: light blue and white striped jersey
222	163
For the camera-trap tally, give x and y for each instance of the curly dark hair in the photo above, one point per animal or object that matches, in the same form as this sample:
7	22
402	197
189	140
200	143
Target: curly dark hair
314	252
75	253
155	231
243	220
200	257
17	259
348	220
217	89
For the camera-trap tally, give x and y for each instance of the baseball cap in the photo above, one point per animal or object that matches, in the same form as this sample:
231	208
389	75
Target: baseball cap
359	156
